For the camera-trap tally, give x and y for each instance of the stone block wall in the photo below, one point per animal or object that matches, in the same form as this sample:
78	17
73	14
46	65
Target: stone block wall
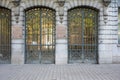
108	50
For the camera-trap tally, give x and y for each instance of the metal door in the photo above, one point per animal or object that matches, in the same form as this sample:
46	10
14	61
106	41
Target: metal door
82	35
40	35
5	36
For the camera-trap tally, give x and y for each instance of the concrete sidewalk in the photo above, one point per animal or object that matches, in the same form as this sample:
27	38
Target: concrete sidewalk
60	72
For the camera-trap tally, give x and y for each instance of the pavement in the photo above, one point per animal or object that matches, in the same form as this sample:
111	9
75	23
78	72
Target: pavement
60	72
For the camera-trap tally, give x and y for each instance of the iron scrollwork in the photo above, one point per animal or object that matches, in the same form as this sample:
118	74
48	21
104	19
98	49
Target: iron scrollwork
82	35
40	35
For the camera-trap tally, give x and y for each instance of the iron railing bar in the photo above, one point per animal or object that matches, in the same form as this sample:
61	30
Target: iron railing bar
40	34
83	25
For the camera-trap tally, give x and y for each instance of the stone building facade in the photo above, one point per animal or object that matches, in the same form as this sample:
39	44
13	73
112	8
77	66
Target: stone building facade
107	47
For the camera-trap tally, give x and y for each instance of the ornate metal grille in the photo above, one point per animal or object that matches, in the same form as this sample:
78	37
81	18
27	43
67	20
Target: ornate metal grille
5	36
40	35
82	35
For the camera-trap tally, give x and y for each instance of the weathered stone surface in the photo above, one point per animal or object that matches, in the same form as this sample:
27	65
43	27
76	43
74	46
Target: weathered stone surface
61	52
61	32
16	32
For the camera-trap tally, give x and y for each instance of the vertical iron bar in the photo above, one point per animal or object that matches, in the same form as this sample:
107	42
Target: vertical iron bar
40	55
83	35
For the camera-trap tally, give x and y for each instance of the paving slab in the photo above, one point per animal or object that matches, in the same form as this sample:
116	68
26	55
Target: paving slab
60	72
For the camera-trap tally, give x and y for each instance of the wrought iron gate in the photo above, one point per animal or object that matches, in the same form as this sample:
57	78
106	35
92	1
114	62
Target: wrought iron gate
5	36
82	35
40	35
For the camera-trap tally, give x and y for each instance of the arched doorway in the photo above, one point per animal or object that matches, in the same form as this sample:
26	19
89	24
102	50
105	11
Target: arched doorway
82	35
5	36
40	35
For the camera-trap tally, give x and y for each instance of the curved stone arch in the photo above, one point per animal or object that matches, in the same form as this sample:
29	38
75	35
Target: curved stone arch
83	3
29	8
2	7
6	4
38	6
37	3
41	8
88	3
87	7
